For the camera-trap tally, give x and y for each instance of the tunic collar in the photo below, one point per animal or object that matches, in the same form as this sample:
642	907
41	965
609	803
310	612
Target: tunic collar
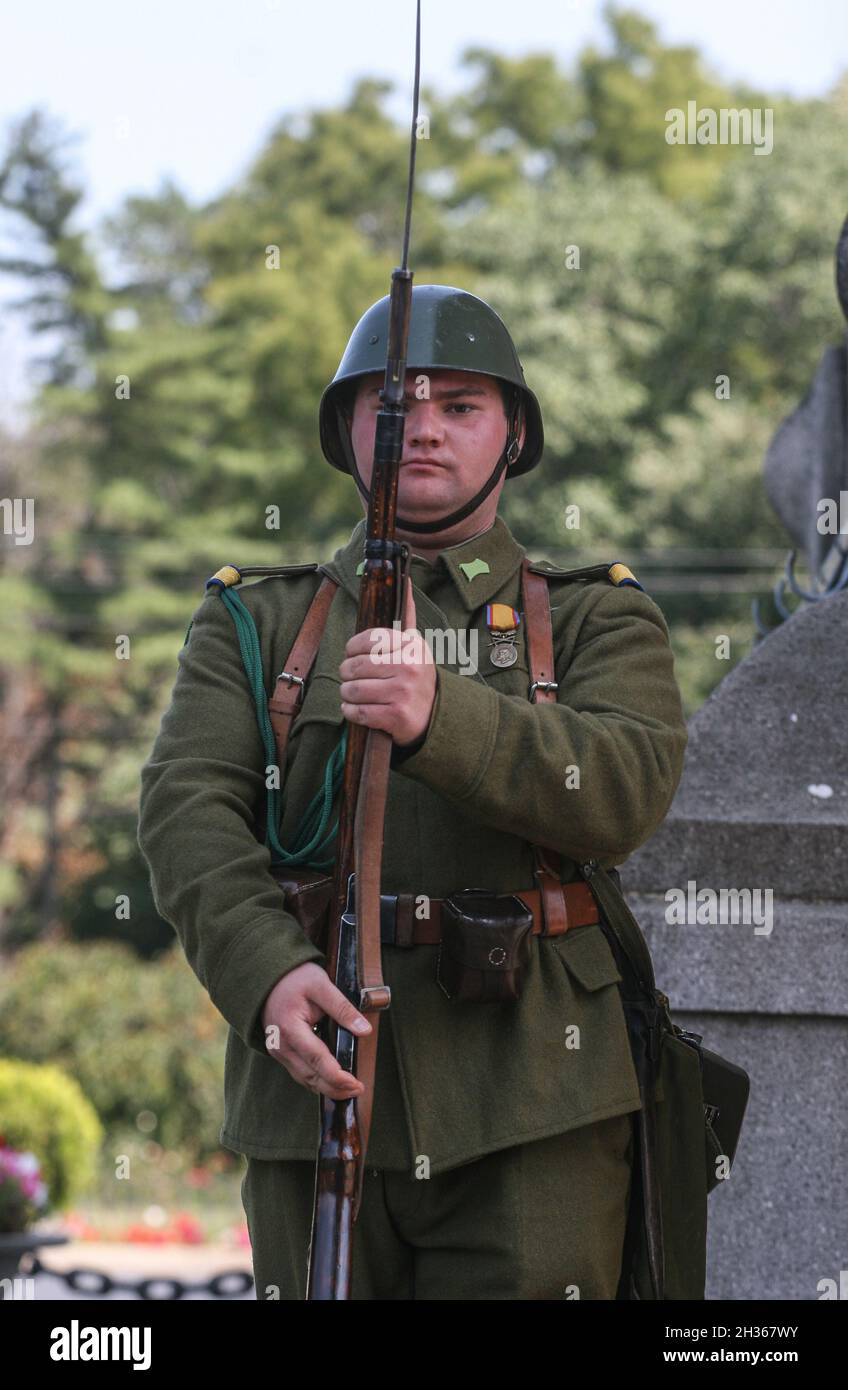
477	568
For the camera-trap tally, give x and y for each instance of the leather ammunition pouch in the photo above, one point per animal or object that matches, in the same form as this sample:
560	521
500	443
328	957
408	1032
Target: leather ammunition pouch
485	945
306	895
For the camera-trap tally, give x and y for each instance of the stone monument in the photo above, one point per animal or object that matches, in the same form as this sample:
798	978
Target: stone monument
743	892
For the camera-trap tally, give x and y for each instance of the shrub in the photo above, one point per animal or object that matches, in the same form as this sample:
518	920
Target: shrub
45	1112
142	1038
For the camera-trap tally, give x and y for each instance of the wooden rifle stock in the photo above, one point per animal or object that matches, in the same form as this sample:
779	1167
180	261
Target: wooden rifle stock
353	951
355	904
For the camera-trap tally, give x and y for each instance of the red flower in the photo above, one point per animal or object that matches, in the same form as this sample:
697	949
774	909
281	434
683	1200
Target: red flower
187	1229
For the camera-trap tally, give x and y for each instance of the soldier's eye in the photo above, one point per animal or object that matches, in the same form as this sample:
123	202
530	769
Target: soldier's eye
461	405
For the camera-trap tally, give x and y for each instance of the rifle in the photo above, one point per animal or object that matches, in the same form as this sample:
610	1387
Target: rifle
353	949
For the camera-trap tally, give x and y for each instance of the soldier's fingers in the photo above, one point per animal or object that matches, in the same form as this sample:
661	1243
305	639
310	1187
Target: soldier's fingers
312	1064
320	1088
375	716
365	665
364	641
313	1081
331	1001
380	663
366	692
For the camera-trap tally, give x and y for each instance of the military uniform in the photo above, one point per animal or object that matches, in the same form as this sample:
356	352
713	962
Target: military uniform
457	1084
500	1148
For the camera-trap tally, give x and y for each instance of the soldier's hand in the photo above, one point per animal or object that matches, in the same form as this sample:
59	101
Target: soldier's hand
389	678
295	1004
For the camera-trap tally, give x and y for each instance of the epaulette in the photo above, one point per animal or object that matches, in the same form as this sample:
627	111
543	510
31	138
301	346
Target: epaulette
229	575
616	573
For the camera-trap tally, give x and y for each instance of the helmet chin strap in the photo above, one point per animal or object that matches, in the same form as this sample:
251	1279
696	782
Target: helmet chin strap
511	450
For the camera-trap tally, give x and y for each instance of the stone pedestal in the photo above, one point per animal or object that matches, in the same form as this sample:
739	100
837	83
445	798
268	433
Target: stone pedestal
771	992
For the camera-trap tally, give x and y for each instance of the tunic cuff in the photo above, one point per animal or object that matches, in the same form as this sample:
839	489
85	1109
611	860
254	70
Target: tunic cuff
268	948
460	738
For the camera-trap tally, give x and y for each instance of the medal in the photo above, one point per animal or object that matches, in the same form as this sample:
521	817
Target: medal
502	622
503	651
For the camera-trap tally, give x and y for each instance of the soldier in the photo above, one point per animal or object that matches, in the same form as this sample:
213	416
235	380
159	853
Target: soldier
499	1162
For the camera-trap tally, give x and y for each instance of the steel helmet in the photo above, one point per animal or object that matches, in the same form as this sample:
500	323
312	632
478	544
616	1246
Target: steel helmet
449	329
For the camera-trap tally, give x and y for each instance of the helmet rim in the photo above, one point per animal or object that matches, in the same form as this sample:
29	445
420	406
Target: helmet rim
452	331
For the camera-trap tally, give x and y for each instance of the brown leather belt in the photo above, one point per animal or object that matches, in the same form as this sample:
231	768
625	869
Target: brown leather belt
399	925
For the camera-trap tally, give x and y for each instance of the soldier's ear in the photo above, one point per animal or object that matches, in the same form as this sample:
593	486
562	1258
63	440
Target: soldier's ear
517	427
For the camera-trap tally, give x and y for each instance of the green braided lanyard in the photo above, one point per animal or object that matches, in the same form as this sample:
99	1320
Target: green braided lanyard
313	838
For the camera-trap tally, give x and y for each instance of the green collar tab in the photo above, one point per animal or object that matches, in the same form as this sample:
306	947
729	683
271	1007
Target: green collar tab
471	568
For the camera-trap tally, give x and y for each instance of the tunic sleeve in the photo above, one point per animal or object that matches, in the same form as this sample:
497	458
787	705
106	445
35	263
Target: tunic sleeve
593	774
209	874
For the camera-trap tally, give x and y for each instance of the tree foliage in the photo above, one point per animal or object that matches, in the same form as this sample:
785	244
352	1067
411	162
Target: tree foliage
186	348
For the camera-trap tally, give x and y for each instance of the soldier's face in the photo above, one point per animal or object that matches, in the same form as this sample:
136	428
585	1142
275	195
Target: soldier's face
454	433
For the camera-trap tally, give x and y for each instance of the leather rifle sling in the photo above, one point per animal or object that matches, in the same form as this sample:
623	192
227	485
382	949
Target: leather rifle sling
540	659
368	834
284	704
368	856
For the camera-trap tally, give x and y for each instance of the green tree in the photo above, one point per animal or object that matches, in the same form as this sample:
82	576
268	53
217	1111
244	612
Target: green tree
176	426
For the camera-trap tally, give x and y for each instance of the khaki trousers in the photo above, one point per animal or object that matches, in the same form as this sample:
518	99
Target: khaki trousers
540	1220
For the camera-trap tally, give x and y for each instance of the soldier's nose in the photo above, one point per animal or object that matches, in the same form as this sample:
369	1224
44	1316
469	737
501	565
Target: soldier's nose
422	427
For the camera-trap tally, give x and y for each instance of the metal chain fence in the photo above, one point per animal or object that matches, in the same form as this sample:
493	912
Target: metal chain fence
230	1284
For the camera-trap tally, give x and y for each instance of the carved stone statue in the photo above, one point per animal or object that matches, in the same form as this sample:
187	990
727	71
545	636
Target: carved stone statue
807	459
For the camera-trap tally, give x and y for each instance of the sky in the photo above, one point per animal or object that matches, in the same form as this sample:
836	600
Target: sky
189	89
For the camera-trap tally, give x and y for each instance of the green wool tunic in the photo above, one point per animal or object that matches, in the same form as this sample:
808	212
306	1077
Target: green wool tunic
495	773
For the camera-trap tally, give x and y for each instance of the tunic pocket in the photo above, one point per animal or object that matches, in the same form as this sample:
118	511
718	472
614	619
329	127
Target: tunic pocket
586	955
